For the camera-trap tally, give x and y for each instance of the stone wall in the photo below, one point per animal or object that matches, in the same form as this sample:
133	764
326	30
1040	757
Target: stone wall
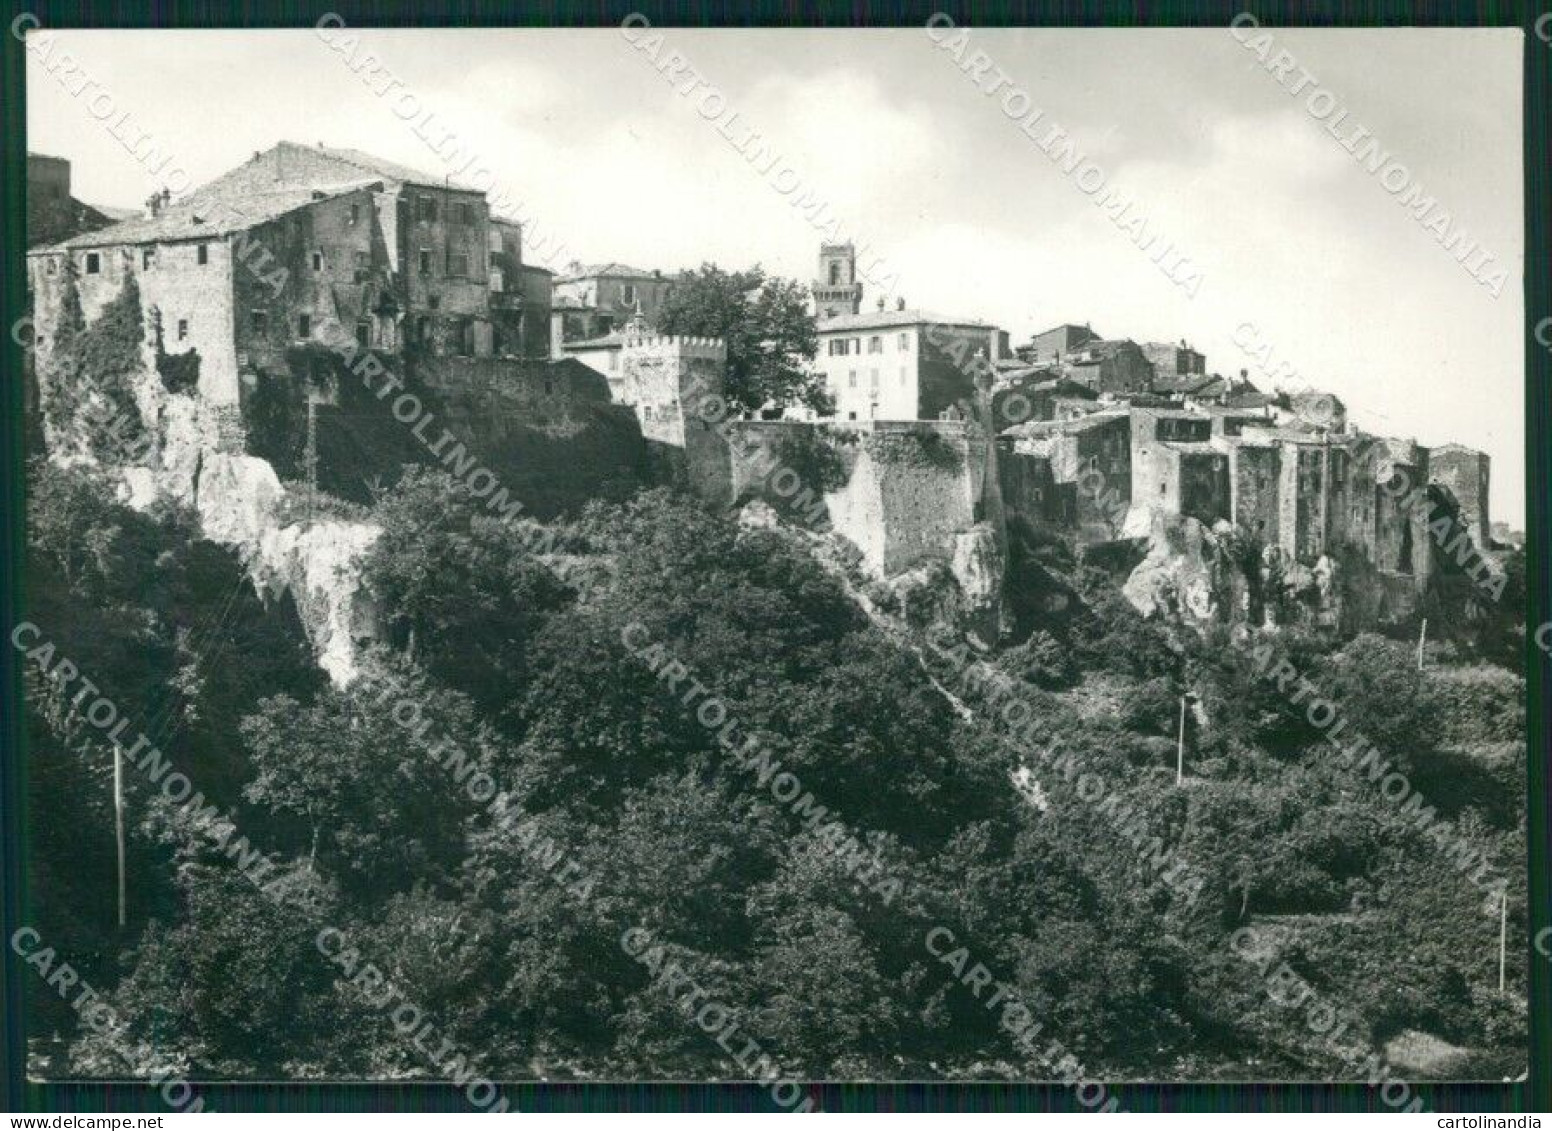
194	301
1256	472
327	263
674	384
1466	474
1203	481
903	490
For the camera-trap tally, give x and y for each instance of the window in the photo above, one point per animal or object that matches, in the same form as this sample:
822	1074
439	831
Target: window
202	254
147	257
835	274
628	293
646	412
93	263
851	416
425	208
425	261
363	263
856	346
614	360
304	325
873	379
258	320
457	264
837	347
53	265
363	334
465	214
183	329
851	378
317	261
876	344
423	329
905	343
355	213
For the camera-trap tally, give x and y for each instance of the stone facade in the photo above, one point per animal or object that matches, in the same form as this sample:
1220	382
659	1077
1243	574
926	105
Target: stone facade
1174	360
836	289
1466	475
906	490
674	384
1314	498
591	300
436	236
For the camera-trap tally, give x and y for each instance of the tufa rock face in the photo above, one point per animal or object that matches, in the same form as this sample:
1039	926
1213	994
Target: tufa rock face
1185	576
978	567
189	457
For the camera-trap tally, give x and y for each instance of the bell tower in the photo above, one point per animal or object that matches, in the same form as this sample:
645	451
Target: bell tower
836	290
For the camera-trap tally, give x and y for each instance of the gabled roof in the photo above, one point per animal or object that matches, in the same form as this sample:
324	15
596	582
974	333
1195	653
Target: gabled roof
610	270
205	219
388	170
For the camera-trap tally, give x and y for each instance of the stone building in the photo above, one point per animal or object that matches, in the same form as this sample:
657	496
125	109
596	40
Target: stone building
232	285
1466	475
1108	366
435	238
593	300
53	214
1052	347
1074	474
1022	395
520	295
1174	360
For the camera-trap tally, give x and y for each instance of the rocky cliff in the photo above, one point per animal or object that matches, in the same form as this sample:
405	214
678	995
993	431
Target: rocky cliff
183	451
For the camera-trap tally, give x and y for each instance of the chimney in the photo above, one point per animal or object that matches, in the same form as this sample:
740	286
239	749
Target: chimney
881	302
900	303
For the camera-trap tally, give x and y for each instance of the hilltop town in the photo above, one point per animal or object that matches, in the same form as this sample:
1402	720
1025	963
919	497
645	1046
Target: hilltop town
259	295
413	629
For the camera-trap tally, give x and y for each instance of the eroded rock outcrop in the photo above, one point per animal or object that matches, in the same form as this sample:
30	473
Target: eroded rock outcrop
1186	574
187	455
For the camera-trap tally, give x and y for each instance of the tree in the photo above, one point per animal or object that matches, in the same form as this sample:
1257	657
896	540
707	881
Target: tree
768	329
465	590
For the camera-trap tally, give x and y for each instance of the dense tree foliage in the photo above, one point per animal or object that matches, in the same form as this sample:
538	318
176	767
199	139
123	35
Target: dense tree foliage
768	329
563	670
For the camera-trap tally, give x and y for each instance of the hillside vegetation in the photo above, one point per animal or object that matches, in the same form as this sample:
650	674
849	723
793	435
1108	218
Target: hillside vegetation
622	802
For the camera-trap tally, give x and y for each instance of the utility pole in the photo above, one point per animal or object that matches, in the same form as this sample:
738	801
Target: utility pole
1180	745
1422	638
1503	939
118	825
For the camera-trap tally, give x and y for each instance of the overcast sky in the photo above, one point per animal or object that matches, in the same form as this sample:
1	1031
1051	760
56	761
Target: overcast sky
1289	231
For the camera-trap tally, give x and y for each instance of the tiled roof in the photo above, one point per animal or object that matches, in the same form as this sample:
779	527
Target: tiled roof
389	170
882	319
1037	429
612	270
608	341
204	219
